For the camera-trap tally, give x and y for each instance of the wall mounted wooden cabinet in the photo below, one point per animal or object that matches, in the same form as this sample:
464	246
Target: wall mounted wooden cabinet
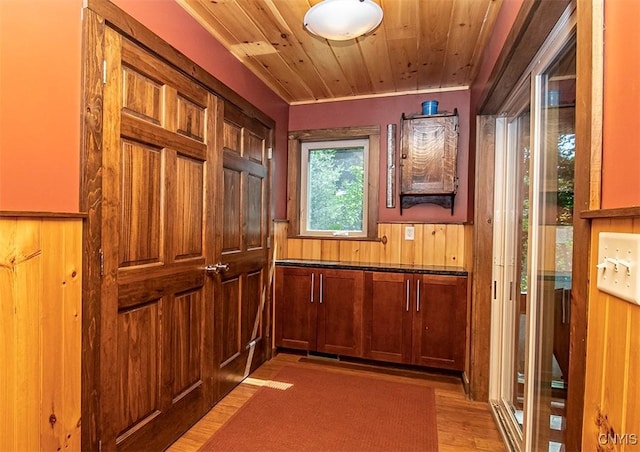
428	164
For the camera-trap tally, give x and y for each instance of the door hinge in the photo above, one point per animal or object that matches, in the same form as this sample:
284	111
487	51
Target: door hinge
101	253
269	153
268	242
104	72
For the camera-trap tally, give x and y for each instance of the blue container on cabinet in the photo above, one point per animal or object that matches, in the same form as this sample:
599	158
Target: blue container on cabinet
430	107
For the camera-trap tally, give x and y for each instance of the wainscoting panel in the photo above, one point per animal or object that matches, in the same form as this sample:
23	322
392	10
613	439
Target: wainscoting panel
433	244
612	385
40	333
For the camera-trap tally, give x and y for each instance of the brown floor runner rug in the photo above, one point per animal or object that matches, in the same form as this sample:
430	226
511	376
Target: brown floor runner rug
316	410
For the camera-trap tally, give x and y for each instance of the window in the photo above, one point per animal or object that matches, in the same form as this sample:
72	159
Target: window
332	180
331	189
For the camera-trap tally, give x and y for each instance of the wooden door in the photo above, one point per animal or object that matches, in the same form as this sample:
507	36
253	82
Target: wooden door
340	299
439	325
388	311
242	221
156	312
296	308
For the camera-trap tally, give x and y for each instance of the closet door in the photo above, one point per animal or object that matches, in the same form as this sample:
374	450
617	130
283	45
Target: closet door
242	229
156	323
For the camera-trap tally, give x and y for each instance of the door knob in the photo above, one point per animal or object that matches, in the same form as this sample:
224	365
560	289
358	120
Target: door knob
217	268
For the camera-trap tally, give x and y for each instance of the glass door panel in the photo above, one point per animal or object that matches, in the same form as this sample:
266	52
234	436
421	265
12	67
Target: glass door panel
516	254
533	246
553	236
511	249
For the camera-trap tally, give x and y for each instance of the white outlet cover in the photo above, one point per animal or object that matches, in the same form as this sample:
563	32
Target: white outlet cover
621	252
409	233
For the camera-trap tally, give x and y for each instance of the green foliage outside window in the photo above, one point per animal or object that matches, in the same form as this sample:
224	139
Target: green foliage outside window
336	189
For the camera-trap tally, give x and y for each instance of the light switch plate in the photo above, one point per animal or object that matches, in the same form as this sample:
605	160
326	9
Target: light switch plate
409	233
618	265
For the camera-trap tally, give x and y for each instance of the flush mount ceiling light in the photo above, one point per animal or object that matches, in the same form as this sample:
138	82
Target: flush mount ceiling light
340	20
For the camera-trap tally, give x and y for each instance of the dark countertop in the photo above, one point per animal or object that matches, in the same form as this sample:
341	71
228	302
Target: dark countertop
404	268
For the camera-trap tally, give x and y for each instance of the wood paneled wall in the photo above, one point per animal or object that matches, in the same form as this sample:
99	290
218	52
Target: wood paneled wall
434	244
612	386
40	333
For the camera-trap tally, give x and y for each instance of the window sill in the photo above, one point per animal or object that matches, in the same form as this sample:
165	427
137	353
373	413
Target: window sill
382	239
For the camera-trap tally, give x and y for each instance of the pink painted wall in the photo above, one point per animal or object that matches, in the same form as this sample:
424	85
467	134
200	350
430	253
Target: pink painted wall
388	110
40	102
40	85
504	22
40	46
621	133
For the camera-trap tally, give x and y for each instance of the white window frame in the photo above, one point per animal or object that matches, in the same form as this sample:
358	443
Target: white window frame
306	148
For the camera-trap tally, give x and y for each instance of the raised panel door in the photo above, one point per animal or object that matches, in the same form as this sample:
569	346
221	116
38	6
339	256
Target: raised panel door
296	308
439	325
242	190
340	302
388	315
156	322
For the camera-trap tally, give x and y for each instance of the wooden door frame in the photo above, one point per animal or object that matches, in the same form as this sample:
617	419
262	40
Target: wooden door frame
98	15
532	25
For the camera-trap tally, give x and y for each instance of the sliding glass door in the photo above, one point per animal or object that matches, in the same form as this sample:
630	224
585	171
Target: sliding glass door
533	243
511	260
553	188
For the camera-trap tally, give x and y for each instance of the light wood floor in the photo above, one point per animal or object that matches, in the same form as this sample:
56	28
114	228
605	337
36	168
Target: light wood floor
463	425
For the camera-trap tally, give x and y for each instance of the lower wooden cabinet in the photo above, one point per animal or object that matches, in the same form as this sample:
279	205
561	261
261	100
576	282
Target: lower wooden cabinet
388	316
404	318
319	310
415	319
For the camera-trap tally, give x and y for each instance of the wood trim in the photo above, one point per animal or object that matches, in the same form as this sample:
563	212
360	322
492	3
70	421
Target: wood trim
623	212
334	133
373	203
293	186
535	20
126	25
444	89
49	215
587	181
91	202
590	89
296	138
348	239
483	253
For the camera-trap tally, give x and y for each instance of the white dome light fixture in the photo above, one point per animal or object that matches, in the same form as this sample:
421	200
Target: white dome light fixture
340	20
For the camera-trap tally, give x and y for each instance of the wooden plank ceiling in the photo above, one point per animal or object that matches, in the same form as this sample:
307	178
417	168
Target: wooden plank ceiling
421	46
